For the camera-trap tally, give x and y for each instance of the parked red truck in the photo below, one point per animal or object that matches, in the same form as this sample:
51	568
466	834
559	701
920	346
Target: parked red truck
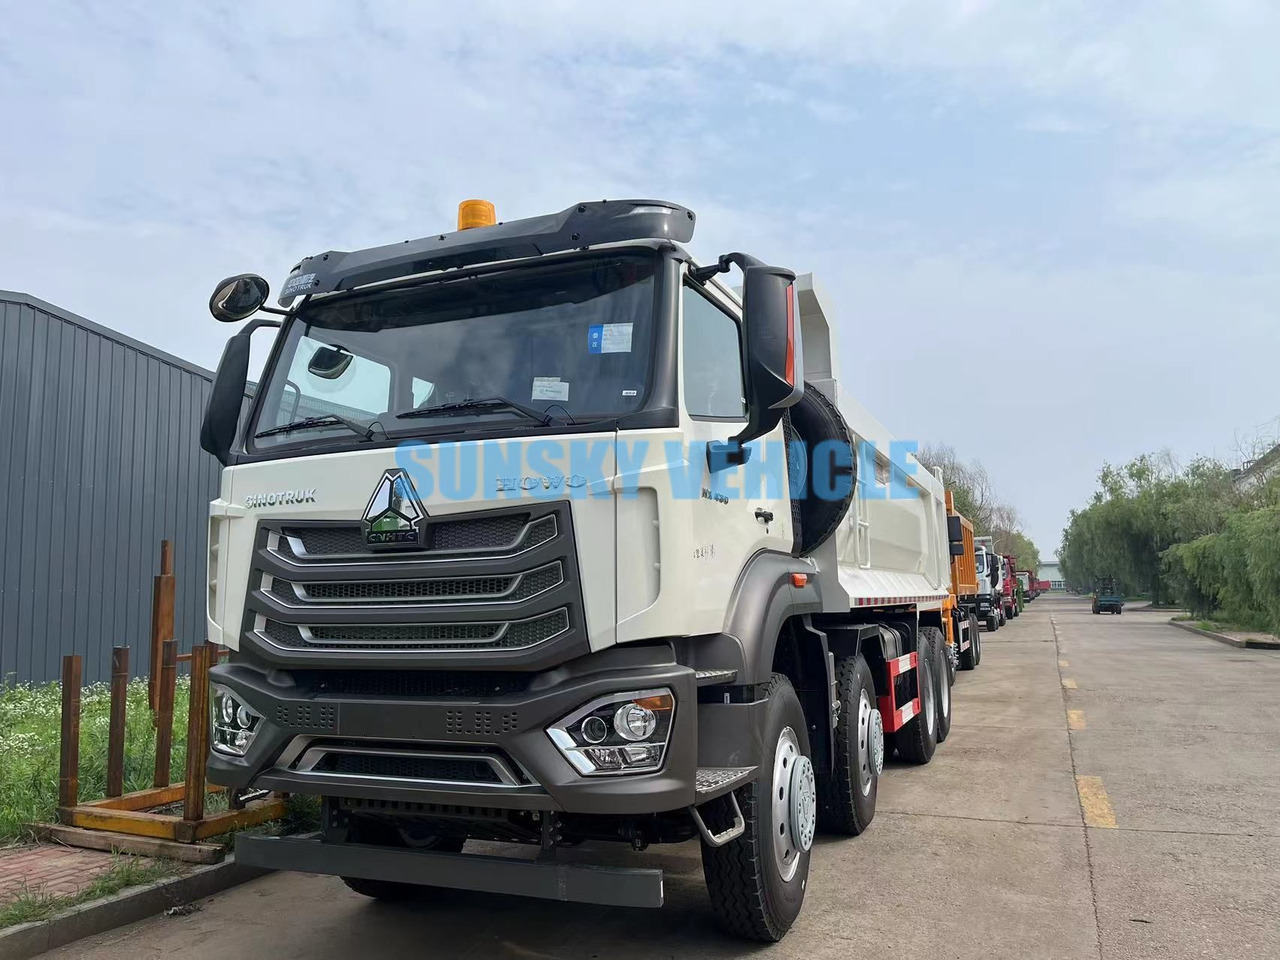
1010	594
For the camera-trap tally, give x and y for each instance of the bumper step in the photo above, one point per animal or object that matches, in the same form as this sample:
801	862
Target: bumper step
714	678
547	880
712	782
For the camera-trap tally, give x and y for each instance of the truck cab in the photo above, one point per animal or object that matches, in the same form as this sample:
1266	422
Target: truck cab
989	565
538	532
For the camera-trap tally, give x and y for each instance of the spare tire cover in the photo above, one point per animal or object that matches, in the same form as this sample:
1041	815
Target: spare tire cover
813	420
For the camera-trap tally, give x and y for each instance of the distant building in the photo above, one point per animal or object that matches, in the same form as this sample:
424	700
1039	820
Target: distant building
1257	471
1051	570
100	460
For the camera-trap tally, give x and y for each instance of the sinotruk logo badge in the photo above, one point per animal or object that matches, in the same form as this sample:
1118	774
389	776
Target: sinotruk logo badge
394	515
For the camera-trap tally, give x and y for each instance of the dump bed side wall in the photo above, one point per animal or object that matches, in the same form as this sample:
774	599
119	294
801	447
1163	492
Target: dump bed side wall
964	571
891	547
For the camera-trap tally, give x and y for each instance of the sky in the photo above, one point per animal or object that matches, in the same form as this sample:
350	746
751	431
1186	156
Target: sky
1049	230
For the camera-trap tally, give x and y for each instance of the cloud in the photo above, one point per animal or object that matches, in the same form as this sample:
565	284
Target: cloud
899	149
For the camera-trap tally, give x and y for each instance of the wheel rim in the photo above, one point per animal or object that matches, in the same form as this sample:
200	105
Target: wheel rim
870	743
795	804
926	694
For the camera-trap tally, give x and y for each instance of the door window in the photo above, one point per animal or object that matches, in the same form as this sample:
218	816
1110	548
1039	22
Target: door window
712	361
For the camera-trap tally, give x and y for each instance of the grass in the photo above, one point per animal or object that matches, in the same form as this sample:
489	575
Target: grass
31	905
29	743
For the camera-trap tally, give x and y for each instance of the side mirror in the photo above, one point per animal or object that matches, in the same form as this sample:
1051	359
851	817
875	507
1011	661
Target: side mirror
238	298
957	548
218	432
329	363
771	335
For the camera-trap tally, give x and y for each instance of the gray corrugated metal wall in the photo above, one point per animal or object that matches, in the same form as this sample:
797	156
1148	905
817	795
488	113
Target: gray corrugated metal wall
100	460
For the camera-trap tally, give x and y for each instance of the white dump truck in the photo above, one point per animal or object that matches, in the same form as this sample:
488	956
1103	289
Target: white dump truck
537	532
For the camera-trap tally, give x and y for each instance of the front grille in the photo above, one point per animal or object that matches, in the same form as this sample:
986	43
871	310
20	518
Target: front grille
508	589
494	635
506	533
415	684
502	580
408	768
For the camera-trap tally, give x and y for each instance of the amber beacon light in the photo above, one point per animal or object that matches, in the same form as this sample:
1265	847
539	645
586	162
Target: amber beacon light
476	213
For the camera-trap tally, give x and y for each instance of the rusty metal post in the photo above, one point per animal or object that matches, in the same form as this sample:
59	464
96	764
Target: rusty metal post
115	733
69	759
203	656
163	592
164	711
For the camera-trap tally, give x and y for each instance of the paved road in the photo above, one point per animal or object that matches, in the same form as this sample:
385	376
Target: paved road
1111	788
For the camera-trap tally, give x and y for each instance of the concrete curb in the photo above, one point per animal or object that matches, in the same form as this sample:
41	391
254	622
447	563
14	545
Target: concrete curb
136	903
1223	638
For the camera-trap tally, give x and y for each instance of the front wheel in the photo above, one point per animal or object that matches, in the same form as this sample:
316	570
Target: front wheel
757	881
975	639
993	623
847	795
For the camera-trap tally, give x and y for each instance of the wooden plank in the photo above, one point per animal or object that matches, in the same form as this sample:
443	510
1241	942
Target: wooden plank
132	822
115	733
145	799
127	843
163	592
198	731
164	712
69	759
259	811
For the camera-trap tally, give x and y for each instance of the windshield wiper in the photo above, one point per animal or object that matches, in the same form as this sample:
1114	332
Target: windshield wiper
364	430
497	402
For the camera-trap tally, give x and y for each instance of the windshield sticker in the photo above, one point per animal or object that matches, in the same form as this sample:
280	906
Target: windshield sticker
609	338
549	388
630	393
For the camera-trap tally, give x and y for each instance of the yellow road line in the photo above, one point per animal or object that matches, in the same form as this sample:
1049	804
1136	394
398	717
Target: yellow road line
1068	683
1063	663
1094	803
1075	719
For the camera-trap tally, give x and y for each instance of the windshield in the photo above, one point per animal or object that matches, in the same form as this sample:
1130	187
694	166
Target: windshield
570	342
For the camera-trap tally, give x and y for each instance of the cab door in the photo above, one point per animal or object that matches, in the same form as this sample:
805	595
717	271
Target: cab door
737	510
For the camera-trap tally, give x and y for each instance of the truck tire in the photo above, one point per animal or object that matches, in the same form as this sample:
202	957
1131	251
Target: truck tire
941	686
816	420
917	740
977	639
757	881
382	834
847	795
969	658
993	622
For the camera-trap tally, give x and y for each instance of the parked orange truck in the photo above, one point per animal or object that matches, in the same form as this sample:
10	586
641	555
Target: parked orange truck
964	639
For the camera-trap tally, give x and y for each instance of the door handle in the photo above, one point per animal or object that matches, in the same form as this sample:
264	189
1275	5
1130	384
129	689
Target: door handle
764	516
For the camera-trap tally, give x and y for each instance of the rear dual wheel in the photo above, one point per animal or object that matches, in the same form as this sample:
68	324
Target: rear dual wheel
918	738
969	658
941	678
847	795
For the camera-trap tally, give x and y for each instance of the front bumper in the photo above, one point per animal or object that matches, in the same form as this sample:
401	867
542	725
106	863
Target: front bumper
299	713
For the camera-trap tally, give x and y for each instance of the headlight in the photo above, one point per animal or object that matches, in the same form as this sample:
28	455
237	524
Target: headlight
235	723
616	734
